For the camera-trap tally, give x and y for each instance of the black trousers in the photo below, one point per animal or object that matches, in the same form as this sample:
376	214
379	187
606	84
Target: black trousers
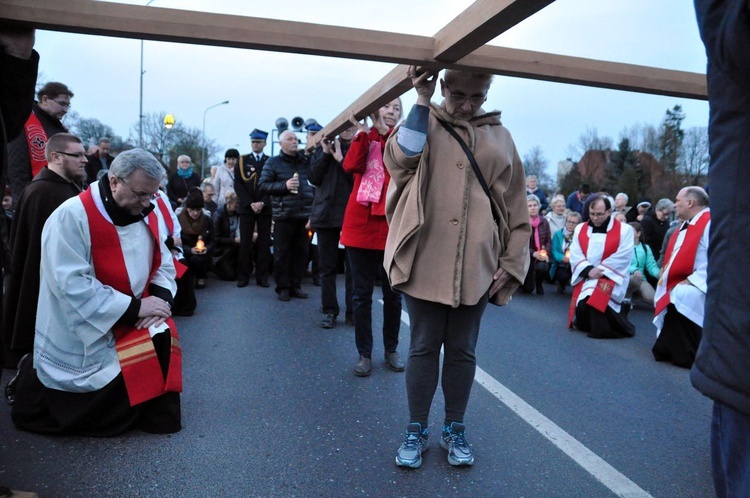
105	412
290	247
249	223
435	325
679	339
328	256
367	266
606	325
536	274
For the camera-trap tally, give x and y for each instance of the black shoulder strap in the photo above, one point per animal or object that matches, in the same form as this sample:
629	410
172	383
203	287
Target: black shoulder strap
474	165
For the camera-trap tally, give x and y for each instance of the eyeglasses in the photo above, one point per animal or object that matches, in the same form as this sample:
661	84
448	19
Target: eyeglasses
64	105
597	215
141	196
460	99
77	155
572	222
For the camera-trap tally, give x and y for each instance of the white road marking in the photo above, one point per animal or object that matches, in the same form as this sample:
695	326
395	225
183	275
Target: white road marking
603	472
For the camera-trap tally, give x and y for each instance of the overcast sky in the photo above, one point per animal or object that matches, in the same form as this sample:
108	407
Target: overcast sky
261	86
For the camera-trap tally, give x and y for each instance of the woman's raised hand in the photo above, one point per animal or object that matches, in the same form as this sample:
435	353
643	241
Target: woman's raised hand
360	126
424	83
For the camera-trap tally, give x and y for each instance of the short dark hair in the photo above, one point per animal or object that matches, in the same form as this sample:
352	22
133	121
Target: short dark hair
53	89
604	199
585	188
57	142
231	153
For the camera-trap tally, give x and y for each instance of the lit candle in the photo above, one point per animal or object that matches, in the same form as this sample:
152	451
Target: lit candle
543	254
200	245
567	253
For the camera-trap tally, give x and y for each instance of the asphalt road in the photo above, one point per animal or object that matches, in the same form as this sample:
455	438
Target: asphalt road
271	408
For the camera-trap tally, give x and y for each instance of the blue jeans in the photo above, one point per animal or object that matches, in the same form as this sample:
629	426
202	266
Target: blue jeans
730	451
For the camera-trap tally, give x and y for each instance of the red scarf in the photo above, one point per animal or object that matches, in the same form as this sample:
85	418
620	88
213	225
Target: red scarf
179	267
135	349
684	261
36	139
599	299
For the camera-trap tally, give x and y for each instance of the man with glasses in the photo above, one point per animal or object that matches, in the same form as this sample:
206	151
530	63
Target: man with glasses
60	180
107	356
600	256
26	153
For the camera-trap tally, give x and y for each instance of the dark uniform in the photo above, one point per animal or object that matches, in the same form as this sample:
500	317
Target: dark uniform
246	176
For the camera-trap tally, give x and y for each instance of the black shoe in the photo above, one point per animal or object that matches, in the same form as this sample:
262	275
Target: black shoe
349	320
329	321
284	295
200	283
242	283
10	388
394	362
316	281
540	290
363	367
298	294
262	283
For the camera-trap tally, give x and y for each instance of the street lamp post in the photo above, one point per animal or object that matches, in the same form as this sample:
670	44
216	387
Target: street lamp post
140	108
203	141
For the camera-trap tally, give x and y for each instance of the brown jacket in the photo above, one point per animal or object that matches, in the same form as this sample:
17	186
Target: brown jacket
443	245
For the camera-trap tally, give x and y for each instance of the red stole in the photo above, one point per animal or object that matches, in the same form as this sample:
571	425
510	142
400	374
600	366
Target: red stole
36	139
135	349
179	267
599	299
684	260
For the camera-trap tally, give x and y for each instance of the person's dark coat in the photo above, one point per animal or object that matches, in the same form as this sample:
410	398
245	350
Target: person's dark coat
177	187
95	165
246	175
19	160
276	171
654	231
720	370
42	196
332	189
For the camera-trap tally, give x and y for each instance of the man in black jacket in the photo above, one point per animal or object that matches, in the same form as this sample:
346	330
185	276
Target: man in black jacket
255	213
333	187
99	160
285	178
26	152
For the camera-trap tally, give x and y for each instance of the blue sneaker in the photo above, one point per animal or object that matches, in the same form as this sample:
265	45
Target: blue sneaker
460	451
415	442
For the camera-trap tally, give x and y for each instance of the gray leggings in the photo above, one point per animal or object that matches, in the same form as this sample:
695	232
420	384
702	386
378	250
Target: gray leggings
457	329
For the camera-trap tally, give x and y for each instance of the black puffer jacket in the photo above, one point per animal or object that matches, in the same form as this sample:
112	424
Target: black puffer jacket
332	189
276	171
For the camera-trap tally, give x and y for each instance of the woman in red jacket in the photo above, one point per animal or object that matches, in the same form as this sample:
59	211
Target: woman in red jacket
364	232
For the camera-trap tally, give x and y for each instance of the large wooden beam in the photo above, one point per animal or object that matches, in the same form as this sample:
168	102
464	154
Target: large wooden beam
203	28
481	22
586	72
133	21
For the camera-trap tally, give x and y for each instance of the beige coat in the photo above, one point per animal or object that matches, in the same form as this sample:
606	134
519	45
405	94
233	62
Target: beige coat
443	245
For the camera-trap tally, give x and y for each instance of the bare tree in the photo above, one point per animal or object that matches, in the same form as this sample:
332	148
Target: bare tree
534	163
168	144
589	140
694	156
90	130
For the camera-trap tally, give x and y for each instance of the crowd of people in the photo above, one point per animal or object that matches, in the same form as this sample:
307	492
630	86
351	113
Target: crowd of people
110	250
614	264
